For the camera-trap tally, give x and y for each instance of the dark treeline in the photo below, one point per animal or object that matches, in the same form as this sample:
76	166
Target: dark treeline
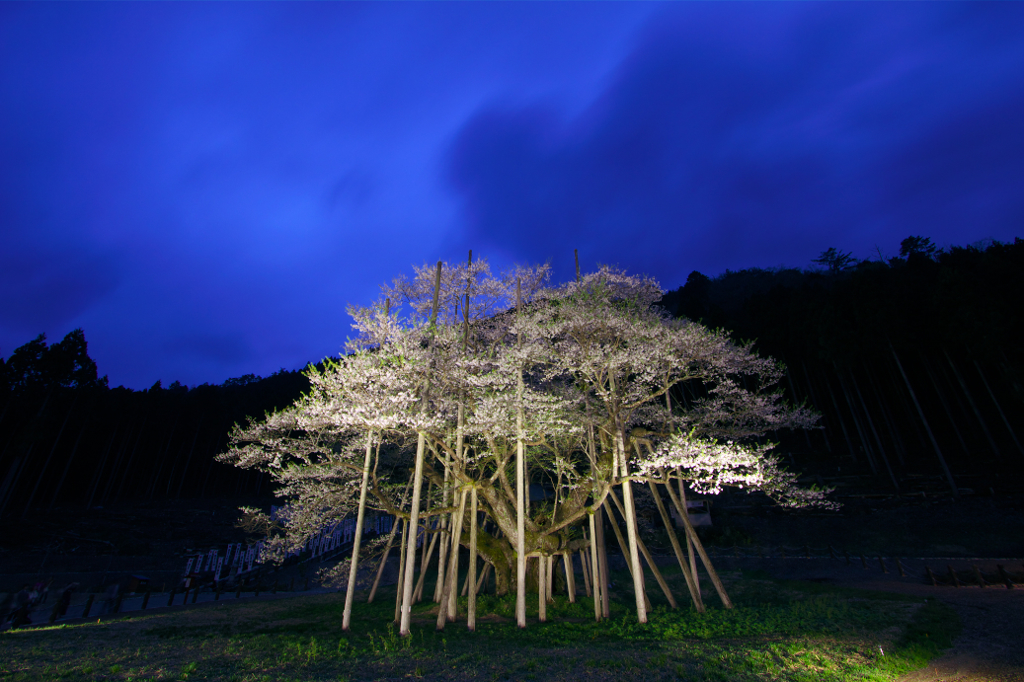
67	440
914	362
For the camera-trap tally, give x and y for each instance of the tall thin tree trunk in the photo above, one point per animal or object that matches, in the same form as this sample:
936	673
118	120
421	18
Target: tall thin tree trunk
99	470
814	399
60	483
350	590
13	475
974	406
924	420
796	400
999	407
874	432
945	405
839	417
46	464
887	417
192	448
856	422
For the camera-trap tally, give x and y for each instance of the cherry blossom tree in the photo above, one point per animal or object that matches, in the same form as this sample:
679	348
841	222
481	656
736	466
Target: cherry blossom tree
502	381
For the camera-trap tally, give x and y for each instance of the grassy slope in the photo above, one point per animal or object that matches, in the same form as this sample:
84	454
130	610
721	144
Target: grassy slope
779	631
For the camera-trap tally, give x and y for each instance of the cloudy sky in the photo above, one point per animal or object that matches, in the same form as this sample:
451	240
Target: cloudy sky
203	187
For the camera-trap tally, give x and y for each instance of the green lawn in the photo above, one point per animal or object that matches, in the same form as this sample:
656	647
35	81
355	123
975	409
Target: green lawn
779	631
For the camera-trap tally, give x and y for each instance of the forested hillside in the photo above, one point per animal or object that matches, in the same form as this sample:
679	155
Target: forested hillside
914	362
68	440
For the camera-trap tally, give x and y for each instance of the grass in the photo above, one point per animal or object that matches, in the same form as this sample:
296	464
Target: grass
779	631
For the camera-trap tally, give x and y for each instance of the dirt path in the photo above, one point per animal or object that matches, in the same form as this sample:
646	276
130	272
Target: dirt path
991	646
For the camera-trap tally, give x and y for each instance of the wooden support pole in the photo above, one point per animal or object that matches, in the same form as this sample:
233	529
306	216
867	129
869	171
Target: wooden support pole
417	594
647	555
401	568
353	572
471	580
712	573
586	573
952	576
595	562
570	576
446	610
683	565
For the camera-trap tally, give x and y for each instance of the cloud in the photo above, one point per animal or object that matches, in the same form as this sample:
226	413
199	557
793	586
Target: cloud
45	289
756	135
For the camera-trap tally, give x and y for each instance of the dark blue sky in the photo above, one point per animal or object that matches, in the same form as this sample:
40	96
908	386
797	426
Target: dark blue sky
203	187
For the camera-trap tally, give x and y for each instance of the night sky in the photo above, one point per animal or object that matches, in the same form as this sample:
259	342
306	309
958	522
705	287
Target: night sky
204	187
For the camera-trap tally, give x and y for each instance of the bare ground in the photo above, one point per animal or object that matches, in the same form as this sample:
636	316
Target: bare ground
991	646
